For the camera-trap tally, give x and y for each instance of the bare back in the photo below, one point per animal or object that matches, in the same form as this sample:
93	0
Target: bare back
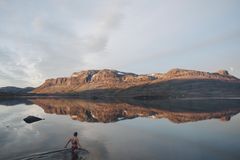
75	141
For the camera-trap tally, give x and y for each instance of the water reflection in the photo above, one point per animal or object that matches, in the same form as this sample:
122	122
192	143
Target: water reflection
138	138
177	111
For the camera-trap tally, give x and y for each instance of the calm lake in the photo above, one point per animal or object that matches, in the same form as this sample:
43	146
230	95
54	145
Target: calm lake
116	130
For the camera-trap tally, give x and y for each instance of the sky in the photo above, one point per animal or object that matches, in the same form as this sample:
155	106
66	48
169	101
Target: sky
41	39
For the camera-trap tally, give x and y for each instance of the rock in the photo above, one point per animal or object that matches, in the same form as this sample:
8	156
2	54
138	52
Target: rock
226	118
223	72
32	119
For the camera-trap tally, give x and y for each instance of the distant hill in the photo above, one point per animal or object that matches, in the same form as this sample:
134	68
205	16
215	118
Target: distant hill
175	83
15	90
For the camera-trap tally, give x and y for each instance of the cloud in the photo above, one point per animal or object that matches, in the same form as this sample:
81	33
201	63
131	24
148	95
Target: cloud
38	24
56	44
16	67
2	3
73	47
231	69
110	20
54	38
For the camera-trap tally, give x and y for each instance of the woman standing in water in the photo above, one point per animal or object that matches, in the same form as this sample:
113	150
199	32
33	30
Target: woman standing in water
75	142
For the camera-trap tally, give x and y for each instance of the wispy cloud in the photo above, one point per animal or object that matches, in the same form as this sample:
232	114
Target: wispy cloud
17	67
51	46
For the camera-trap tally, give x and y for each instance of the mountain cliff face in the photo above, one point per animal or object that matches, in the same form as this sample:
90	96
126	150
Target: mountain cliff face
93	79
113	82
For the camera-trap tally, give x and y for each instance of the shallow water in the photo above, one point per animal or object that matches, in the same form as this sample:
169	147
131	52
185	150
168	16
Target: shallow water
171	130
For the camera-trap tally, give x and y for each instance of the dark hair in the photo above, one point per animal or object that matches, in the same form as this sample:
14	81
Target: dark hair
75	134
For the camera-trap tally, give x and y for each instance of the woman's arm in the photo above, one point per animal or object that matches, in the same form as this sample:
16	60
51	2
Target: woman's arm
79	143
68	143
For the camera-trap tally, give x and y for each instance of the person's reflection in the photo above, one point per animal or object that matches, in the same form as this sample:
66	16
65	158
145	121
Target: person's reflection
72	156
75	156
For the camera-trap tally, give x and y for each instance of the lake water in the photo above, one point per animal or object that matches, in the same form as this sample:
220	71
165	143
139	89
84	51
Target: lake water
117	130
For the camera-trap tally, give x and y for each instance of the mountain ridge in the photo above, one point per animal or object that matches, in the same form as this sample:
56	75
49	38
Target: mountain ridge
106	78
107	83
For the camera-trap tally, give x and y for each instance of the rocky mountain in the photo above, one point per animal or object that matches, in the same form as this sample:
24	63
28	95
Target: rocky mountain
175	83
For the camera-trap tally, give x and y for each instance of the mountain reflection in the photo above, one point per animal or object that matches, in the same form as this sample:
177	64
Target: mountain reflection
177	111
